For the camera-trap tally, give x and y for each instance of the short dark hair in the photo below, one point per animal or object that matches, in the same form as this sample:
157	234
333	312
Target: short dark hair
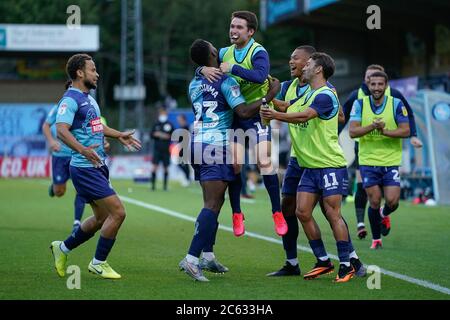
380	74
200	52
250	17
375	67
308	49
75	63
326	62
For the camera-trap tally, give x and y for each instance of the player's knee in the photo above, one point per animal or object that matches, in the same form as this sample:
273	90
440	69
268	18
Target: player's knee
120	215
99	222
303	215
213	206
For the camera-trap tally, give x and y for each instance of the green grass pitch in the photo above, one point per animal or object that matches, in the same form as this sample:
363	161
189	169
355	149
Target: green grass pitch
150	244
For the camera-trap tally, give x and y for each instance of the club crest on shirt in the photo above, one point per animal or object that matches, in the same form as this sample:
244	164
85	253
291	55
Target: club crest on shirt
62	109
235	91
404	111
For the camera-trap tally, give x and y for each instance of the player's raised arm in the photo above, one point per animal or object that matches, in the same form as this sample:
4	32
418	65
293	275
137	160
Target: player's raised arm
294	117
258	74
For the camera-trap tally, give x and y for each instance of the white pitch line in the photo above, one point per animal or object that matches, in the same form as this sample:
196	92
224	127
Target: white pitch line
422	283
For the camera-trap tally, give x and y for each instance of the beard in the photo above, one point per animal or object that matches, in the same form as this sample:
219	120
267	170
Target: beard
377	95
305	77
90	85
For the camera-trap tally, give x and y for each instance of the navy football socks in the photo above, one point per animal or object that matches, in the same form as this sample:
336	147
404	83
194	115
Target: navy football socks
273	188
360	202
318	248
212	241
290	238
204	230
375	221
234	192
388	210
76	238
104	246
343	252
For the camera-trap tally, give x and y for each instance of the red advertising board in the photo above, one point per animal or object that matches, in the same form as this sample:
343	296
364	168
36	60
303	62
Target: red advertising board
25	167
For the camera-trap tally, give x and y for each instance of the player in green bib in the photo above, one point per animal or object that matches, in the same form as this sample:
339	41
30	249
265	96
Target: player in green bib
290	92
316	147
360	93
380	121
248	63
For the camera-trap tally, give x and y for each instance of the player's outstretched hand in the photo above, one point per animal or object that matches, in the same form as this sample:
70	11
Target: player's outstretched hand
416	142
90	154
130	142
211	74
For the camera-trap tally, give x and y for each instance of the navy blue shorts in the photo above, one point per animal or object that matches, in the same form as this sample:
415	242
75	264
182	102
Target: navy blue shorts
212	163
325	182
254	129
60	169
292	177
92	183
382	176
213	172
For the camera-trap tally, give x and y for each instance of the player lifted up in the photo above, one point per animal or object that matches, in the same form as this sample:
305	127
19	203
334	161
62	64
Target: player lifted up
213	105
248	62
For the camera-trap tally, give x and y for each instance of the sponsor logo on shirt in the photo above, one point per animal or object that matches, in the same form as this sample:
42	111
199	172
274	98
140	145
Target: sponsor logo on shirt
96	125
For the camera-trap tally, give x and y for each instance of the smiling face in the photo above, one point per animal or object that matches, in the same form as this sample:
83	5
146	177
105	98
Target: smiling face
310	70
240	34
89	75
377	86
297	62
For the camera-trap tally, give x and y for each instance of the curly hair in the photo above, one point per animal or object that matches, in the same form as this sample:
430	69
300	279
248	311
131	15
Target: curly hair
75	63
